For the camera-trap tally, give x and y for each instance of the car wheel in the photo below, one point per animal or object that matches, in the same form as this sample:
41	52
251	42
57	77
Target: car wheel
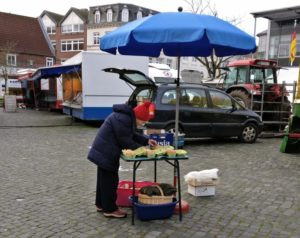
171	129
249	133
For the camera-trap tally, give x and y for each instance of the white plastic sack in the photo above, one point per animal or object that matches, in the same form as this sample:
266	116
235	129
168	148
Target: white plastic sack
203	177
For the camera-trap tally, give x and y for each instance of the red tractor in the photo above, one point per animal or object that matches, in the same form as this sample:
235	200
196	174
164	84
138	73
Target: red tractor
253	82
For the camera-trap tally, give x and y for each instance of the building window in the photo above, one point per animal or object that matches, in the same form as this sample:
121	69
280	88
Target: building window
109	15
298	49
96	36
97	17
262	44
49	61
11	60
72	45
139	14
125	14
72	28
51	30
169	62
53	43
160	60
284	50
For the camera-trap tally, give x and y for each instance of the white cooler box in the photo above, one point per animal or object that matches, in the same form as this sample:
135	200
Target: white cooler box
200	191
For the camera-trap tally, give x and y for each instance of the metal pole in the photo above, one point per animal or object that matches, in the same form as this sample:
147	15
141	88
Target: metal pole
177	103
177	115
254	35
262	100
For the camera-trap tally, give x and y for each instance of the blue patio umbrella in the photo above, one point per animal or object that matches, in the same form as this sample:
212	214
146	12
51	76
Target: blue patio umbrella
178	34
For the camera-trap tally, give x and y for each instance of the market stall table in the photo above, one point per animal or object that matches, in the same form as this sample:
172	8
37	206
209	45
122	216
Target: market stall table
173	161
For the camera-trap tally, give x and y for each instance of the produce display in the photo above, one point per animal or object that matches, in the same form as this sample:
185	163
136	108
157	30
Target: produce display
153	152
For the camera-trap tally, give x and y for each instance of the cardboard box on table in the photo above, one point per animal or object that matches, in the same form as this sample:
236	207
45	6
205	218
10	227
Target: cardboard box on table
163	138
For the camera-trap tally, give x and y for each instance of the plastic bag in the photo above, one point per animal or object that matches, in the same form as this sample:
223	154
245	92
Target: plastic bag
203	177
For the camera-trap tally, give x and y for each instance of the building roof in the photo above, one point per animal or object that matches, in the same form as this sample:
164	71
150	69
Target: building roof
132	7
25	32
82	13
56	18
279	14
117	9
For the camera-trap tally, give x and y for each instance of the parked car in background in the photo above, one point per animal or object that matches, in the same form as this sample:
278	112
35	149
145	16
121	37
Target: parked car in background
204	111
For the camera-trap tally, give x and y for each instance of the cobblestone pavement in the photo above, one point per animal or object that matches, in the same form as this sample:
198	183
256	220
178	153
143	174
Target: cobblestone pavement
48	187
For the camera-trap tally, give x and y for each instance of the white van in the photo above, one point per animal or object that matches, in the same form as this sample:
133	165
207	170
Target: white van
162	73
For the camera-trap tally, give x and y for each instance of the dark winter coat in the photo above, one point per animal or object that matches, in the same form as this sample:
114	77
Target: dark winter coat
117	132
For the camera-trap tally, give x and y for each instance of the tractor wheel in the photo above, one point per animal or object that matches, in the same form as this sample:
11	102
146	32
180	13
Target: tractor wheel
242	97
249	133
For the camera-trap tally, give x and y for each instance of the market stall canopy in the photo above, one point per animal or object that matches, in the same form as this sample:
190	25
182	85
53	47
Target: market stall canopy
55	71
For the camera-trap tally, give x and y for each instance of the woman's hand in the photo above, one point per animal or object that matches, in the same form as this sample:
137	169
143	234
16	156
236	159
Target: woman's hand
152	142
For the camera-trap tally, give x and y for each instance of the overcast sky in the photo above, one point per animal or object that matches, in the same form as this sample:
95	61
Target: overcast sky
227	9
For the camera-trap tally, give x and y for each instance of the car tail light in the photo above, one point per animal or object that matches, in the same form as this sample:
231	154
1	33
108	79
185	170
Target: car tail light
151	111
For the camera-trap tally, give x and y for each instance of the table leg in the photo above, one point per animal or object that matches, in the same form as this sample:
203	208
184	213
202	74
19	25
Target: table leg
179	189
133	193
155	167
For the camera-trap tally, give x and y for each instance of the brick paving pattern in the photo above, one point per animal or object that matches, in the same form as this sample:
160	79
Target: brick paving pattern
48	186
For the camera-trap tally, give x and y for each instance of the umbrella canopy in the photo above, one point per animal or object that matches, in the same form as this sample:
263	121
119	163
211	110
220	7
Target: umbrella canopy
178	34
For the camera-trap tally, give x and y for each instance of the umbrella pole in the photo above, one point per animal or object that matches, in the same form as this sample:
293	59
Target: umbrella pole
177	103
177	116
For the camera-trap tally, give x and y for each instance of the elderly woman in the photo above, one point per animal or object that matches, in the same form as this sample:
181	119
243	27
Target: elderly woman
116	133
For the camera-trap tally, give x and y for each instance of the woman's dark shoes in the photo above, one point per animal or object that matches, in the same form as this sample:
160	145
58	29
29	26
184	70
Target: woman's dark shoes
99	209
116	214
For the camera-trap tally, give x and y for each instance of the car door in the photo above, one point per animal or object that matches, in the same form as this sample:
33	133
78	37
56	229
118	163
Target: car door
194	112
226	119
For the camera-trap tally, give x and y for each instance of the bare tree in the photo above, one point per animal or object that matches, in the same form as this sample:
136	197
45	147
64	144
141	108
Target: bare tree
5	68
211	63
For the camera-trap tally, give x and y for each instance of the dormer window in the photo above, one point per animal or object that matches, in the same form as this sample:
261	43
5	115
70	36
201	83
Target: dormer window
97	17
109	15
125	14
139	14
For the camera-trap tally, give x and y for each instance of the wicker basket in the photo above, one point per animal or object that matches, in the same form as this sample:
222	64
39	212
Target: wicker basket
145	199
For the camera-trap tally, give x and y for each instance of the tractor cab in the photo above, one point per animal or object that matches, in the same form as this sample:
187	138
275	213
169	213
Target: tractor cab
252	71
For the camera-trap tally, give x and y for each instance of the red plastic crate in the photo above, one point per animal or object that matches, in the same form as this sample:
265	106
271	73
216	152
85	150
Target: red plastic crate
125	191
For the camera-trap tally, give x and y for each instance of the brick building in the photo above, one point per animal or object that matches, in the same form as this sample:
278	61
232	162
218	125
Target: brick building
23	44
80	29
